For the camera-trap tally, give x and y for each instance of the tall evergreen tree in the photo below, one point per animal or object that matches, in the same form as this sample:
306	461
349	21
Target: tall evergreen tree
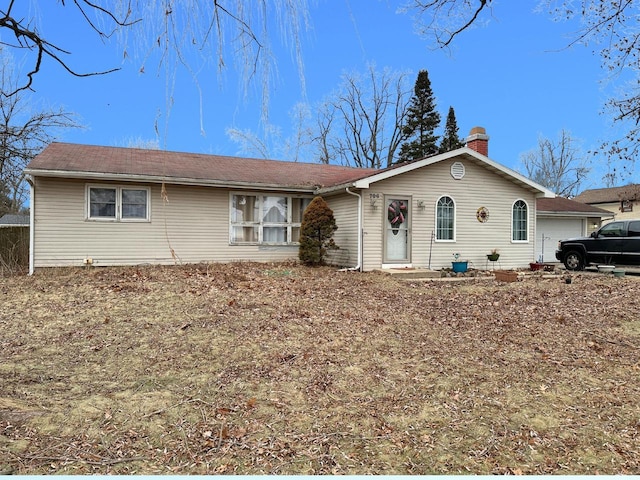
421	122
450	140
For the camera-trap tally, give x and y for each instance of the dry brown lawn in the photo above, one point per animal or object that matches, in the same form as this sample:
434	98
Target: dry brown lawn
279	369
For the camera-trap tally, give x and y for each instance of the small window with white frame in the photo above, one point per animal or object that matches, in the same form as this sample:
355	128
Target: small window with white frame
266	219
118	203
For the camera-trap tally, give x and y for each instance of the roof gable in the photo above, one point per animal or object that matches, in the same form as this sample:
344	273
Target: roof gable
464	153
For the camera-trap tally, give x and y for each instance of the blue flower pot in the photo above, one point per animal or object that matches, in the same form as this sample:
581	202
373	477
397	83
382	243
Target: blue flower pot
459	267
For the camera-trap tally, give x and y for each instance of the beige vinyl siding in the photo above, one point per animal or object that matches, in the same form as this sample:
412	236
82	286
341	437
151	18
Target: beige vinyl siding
345	211
474	240
193	223
617	214
373	228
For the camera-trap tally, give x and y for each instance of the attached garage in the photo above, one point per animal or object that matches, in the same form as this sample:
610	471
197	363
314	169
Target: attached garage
560	218
551	230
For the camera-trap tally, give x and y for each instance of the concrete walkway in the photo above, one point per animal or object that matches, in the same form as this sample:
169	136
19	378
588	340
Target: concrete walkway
483	275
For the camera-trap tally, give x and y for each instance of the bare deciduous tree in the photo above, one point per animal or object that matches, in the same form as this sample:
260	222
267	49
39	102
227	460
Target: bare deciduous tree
361	124
322	138
271	143
249	142
558	165
24	131
140	142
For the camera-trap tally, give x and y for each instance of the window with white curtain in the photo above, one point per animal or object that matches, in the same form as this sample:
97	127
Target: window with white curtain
266	219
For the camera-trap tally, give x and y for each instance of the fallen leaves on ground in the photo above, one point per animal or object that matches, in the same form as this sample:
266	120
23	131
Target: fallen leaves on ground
280	369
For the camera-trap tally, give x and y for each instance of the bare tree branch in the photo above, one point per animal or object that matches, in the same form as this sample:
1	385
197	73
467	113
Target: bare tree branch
446	19
27	37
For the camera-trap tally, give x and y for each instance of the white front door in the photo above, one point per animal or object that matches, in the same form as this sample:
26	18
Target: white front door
397	231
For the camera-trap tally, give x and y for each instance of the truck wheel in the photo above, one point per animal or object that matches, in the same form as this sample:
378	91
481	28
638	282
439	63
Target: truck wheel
573	260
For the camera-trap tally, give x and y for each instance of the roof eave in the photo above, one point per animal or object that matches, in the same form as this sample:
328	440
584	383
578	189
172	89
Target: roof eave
335	188
97	176
547	213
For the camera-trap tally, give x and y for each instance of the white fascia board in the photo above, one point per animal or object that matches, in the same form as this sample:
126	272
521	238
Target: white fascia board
547	214
392	172
543	191
162	179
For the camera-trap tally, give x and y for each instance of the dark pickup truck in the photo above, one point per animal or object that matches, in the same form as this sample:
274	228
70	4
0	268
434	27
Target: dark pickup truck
616	243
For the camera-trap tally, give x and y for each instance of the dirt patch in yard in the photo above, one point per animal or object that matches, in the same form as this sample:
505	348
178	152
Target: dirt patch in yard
280	369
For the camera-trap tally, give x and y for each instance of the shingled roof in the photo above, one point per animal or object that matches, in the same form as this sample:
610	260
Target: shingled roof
561	205
13	220
73	160
610	195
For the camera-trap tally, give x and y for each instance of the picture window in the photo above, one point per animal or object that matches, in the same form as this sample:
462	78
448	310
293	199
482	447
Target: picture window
266	219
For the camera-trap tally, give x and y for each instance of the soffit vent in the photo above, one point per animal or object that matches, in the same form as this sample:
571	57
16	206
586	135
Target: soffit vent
457	170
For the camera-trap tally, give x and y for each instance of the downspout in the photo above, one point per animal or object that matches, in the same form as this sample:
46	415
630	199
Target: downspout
358	267
32	232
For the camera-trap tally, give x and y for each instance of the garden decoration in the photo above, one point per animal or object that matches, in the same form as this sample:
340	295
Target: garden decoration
397	215
459	266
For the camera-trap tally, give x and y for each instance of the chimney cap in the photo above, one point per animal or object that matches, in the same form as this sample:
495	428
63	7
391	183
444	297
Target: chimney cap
478	140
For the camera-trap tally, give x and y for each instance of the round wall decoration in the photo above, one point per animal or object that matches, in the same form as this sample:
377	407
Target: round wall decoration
396	214
482	214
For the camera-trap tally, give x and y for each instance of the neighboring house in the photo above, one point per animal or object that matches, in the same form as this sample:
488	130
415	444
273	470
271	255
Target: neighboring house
560	218
13	220
118	206
623	202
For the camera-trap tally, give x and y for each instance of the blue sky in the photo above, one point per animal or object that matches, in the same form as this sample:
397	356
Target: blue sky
513	76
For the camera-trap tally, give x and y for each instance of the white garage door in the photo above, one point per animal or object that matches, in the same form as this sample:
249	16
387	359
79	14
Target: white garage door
553	230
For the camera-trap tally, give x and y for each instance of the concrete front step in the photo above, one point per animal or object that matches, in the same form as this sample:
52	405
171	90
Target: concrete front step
411	272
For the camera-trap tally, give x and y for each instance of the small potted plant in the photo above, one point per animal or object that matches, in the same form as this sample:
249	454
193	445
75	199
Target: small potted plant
459	266
493	256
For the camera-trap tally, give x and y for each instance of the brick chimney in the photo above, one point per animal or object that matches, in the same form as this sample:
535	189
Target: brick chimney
478	140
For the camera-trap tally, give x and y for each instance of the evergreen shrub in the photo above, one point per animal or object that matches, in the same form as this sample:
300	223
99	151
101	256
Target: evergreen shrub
316	233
